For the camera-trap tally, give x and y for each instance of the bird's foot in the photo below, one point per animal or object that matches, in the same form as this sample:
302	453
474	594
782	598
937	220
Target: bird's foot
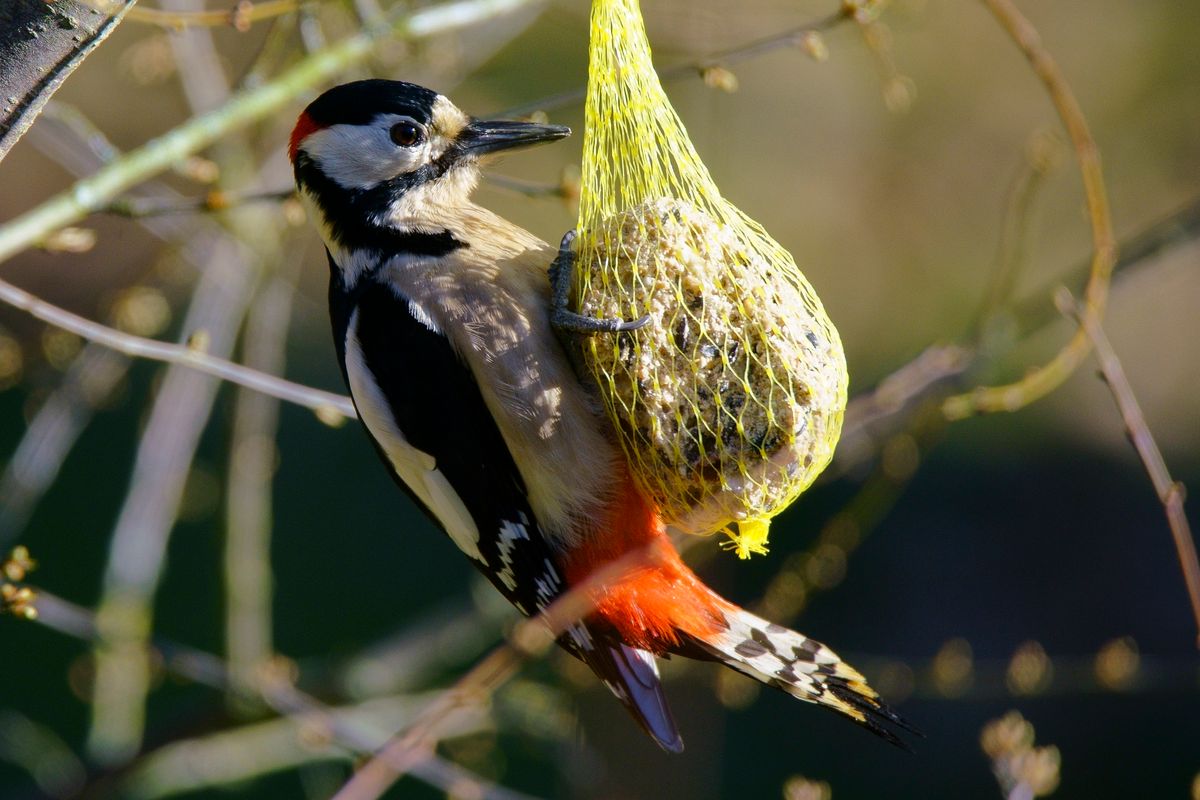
562	274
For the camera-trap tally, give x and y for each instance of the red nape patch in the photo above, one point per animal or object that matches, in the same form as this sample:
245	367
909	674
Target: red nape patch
656	602
304	126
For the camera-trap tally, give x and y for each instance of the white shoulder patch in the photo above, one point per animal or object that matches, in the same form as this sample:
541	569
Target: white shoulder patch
415	467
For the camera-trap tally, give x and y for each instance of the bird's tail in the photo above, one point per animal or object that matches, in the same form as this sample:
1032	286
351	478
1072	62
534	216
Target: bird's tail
662	607
631	674
796	664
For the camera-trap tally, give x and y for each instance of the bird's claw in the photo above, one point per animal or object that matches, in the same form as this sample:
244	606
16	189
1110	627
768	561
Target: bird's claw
562	274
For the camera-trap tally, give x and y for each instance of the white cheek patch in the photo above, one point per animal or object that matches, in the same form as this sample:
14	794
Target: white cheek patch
415	467
361	156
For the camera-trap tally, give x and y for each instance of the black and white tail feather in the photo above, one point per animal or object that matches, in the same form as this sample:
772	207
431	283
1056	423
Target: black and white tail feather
800	666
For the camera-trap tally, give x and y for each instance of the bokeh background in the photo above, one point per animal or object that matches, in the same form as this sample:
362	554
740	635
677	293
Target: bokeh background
1015	561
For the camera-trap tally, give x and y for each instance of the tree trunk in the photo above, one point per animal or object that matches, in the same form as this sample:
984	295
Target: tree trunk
41	43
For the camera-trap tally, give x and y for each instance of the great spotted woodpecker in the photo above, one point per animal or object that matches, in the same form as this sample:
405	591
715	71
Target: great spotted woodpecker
444	325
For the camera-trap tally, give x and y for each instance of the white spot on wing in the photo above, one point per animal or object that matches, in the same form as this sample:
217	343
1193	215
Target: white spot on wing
420	314
581	636
416	468
549	586
510	532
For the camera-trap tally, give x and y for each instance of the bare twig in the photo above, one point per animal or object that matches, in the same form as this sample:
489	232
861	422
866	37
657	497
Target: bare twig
326	404
1170	492
793	37
1044	379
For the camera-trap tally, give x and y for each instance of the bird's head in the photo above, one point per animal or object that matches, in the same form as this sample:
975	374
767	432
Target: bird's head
395	155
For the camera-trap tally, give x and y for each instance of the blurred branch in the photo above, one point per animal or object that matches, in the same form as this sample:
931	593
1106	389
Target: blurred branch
216	200
1180	227
252	456
1170	493
41	752
230	757
138	546
179	413
531	637
327	405
34	465
1012	251
898	90
872	416
954	673
94	193
71	140
822	566
357	729
41	44
65	135
243	14
443	640
1044	379
566	188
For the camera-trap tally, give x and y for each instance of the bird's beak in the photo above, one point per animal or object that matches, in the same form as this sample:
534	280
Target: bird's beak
481	137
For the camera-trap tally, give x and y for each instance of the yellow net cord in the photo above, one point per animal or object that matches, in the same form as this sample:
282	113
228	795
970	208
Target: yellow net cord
729	403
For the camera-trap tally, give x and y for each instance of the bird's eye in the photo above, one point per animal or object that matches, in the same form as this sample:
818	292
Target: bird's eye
406	134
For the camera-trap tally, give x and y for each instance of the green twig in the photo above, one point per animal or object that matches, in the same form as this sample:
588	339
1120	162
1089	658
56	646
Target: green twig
94	193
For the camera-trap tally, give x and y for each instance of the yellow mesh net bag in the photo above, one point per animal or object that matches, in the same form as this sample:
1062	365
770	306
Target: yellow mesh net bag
729	402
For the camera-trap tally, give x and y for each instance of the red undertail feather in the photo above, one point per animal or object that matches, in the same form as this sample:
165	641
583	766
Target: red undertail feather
662	607
659	602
